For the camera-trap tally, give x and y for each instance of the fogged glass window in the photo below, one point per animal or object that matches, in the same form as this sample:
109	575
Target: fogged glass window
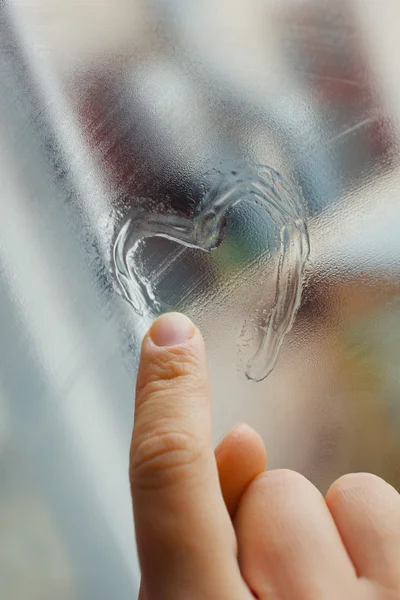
234	160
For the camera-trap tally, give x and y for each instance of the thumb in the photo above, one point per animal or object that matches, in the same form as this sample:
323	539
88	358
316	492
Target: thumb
185	538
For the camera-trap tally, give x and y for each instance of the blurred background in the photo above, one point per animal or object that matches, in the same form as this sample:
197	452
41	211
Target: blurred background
111	105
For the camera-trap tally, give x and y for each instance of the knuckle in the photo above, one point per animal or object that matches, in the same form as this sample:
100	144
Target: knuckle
281	478
159	391
353	481
168	371
281	483
163	458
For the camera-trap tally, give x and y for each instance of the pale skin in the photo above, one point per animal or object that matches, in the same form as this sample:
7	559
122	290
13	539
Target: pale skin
216	525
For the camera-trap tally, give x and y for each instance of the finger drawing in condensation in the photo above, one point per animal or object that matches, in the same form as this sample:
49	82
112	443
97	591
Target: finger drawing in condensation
262	185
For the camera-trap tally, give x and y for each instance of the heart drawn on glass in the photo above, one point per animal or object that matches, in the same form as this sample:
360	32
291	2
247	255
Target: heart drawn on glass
205	230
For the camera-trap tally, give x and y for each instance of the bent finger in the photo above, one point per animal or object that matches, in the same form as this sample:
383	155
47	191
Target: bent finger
289	546
366	511
241	456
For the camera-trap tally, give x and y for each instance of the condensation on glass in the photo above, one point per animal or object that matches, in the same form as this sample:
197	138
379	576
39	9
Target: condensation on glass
204	231
234	160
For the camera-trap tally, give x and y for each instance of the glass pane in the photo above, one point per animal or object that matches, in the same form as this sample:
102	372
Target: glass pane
235	160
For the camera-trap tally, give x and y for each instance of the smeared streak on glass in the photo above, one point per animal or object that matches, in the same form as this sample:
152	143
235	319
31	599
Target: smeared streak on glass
263	186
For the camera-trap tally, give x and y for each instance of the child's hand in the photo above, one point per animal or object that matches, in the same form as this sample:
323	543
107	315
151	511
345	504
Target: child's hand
215	526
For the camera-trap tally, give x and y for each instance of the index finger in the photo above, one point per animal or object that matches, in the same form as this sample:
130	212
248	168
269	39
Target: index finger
185	537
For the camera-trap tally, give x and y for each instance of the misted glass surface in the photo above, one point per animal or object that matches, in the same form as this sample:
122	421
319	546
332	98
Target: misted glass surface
237	160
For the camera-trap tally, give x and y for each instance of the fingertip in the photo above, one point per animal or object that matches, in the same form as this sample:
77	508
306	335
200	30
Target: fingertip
360	486
169	335
245	441
171	329
241	457
249	438
173	350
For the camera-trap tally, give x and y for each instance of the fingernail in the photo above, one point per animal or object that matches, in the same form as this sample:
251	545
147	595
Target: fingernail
171	329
